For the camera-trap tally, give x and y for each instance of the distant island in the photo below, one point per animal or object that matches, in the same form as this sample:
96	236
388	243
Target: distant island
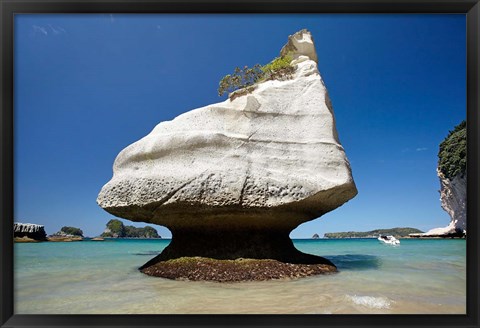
28	232
396	232
116	229
67	234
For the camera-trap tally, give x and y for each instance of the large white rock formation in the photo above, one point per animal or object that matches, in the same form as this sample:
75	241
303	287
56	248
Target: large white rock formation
254	166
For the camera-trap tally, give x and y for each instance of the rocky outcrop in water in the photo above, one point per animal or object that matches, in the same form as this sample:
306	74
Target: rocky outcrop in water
64	238
29	232
232	179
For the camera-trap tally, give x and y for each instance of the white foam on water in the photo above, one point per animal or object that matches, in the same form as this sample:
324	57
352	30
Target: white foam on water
371	302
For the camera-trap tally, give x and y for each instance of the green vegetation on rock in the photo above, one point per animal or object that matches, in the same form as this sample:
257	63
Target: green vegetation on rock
452	155
396	232
116	229
72	231
278	68
246	77
241	78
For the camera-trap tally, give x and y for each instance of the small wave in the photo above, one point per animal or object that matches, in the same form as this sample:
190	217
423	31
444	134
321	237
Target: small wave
371	302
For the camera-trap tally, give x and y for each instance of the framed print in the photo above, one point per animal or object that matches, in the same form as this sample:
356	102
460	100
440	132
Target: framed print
243	163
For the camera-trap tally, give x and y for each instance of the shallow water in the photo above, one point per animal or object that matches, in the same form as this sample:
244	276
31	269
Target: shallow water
419	276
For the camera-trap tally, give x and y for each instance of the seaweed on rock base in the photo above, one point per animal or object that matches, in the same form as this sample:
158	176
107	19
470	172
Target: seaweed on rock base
208	269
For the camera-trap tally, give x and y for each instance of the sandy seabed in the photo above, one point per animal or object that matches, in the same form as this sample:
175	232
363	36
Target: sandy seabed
419	277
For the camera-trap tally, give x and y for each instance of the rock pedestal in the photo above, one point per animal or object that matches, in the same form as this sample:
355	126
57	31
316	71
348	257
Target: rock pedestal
233	179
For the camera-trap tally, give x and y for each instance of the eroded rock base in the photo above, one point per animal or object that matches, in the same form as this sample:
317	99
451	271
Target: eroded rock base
229	242
207	269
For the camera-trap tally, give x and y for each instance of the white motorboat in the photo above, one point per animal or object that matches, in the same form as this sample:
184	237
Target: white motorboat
389	240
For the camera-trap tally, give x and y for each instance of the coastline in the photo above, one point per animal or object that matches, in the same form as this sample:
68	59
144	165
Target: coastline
404	237
26	239
140	238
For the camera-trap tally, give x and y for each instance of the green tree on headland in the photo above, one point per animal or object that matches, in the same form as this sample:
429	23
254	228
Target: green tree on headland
452	155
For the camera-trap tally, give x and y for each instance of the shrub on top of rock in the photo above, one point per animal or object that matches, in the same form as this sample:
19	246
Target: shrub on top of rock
246	77
278	68
241	78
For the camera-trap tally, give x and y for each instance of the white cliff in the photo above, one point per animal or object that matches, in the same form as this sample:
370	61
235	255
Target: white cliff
453	198
452	173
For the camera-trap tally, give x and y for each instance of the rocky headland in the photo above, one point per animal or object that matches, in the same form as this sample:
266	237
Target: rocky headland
67	234
231	180
395	232
452	172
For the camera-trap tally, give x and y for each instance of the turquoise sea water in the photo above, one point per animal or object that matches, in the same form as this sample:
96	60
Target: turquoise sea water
419	276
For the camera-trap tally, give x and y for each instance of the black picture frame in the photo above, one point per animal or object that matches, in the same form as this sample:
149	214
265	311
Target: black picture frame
471	8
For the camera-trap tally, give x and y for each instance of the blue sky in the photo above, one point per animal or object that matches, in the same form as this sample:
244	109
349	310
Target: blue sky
87	86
